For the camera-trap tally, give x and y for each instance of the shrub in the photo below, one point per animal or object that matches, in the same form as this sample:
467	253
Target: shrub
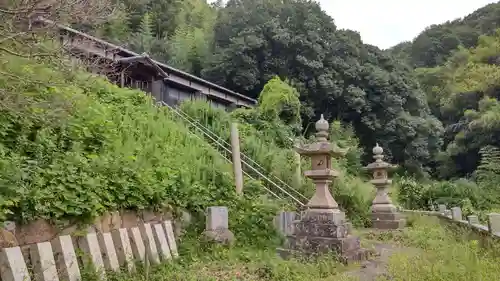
74	146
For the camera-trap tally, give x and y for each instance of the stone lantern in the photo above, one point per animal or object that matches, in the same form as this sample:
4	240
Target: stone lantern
384	213
323	227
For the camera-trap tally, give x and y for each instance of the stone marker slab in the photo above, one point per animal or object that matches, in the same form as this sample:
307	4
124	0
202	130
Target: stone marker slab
456	213
109	255
12	265
161	242
172	244
65	257
137	244
9	226
447	213
89	244
123	248
149	242
217	218
473	219
43	262
494	223
442	208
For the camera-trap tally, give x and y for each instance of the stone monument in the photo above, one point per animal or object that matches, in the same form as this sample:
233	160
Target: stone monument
323	227
384	214
217	226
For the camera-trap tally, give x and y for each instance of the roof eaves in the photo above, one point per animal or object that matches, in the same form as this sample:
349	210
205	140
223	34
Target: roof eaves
162	65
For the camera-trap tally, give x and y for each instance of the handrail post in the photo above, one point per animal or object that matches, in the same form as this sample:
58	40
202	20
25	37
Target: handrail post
235	151
298	172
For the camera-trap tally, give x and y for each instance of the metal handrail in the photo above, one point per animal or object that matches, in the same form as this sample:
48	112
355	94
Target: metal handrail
186	116
231	162
228	150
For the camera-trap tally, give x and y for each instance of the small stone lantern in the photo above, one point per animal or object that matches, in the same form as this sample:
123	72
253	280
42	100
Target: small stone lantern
384	213
323	227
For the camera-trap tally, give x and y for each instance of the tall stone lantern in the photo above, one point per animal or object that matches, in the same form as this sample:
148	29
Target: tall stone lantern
323	227
384	213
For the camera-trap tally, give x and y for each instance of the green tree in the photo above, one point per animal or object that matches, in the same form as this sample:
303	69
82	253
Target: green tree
334	72
190	44
433	46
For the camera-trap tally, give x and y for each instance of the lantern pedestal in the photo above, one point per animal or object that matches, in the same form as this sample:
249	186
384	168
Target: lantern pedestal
384	214
323	233
323	228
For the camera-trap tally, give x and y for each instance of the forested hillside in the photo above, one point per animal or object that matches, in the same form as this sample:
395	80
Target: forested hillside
74	146
245	43
435	44
436	121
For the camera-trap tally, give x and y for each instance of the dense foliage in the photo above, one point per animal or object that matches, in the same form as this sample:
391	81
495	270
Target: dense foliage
244	44
431	103
436	44
74	146
463	93
267	136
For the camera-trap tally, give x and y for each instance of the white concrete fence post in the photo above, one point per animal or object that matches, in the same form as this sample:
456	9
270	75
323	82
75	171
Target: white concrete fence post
456	214
494	223
472	219
57	260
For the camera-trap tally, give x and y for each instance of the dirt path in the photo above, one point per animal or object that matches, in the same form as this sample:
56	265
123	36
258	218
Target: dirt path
376	267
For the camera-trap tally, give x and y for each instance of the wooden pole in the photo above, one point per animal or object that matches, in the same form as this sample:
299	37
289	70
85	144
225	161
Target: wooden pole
235	146
122	79
298	172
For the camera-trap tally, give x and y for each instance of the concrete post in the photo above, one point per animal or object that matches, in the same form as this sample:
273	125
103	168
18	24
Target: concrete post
124	253
137	244
109	256
473	219
42	259
442	208
89	244
172	244
298	172
161	242
66	259
456	213
149	242
494	223
235	149
12	265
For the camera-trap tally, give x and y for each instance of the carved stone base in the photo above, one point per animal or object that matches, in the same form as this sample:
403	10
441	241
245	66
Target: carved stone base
223	236
355	255
388	220
322	233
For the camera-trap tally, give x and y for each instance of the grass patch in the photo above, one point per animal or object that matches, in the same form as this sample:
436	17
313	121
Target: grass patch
441	253
235	263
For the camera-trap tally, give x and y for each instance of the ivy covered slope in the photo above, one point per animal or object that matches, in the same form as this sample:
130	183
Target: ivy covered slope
74	146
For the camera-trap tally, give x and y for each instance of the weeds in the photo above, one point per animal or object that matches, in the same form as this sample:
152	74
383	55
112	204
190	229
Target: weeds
436	252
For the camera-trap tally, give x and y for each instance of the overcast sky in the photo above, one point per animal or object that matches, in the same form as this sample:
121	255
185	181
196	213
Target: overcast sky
385	23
